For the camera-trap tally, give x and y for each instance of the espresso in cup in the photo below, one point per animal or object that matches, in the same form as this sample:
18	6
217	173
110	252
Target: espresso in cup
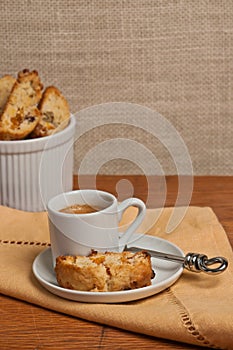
79	209
98	230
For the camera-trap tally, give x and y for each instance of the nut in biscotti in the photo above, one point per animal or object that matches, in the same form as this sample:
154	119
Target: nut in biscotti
102	272
21	115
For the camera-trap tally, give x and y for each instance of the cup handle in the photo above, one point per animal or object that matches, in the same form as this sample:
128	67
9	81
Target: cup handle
135	202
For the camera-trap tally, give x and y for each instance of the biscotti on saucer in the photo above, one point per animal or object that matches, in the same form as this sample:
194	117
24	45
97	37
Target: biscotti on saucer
105	272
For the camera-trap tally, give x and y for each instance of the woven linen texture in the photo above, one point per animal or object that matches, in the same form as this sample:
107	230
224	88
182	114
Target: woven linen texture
175	57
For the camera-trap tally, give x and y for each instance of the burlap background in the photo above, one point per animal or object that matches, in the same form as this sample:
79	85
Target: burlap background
173	56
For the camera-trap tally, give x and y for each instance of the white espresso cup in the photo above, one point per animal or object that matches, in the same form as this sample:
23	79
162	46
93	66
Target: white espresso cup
79	234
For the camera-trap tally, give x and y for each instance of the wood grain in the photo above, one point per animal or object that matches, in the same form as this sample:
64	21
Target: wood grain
26	326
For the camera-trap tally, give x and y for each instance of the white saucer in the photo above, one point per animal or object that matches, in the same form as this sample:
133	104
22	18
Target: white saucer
166	273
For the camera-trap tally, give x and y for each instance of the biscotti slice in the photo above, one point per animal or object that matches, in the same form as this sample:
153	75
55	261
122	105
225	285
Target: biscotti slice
55	113
6	85
21	115
105	272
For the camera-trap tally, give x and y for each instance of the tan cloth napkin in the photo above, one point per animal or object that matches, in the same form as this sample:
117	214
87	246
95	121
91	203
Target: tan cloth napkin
197	309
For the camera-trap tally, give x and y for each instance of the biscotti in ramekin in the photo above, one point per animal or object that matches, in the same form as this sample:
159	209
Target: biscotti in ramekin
20	114
28	112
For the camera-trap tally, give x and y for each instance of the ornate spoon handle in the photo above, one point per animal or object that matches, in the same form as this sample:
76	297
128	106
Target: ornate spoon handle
192	261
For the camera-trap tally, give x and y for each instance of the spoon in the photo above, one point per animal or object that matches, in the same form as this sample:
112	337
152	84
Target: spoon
194	262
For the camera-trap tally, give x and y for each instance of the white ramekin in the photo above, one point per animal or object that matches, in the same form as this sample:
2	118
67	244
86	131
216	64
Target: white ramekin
33	171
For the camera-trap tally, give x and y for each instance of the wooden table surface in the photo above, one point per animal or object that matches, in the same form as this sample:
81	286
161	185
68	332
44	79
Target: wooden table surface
25	326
